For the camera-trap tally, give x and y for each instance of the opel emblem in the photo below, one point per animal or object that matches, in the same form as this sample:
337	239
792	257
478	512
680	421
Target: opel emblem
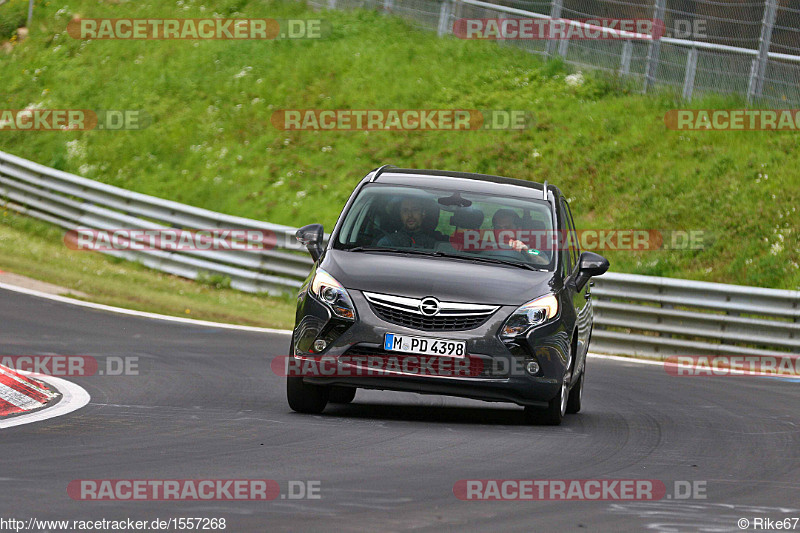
429	306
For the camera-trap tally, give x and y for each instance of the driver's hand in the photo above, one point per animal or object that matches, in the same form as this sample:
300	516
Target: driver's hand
519	246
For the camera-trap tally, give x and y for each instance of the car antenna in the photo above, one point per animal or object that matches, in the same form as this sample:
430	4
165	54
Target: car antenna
379	171
544	191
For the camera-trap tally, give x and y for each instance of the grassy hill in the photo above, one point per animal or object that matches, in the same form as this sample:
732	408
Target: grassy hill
211	142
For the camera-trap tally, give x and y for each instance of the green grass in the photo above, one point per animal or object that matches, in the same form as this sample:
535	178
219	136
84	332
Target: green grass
211	143
36	249
13	15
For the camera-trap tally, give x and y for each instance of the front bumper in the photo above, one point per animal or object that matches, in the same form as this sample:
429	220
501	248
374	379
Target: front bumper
549	344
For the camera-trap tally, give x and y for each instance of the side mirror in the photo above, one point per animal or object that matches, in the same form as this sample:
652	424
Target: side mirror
311	237
590	265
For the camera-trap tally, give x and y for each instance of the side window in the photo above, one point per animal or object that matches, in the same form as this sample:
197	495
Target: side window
565	236
574	246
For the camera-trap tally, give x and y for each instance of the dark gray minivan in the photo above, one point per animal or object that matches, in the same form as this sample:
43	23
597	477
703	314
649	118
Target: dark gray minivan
446	283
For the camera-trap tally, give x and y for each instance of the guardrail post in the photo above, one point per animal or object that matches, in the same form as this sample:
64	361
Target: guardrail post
444	18
654	50
562	47
759	68
691	70
625	62
555	14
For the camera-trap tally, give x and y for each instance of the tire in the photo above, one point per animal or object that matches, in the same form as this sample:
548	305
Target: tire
556	408
342	394
576	394
553	414
306	398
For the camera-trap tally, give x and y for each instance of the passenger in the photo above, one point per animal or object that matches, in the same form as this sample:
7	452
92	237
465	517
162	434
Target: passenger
506	224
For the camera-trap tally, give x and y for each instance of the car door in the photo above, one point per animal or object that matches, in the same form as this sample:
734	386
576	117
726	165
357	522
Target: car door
580	299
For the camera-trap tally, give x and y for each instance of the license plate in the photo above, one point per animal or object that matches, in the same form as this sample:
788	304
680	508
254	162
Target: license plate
393	342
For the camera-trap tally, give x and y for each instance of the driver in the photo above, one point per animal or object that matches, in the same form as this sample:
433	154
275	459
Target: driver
412	234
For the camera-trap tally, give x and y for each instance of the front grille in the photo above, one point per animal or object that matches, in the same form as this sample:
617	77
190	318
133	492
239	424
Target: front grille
479	366
407	312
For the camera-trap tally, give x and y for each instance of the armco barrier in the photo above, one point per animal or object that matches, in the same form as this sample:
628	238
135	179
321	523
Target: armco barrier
71	202
657	317
639	315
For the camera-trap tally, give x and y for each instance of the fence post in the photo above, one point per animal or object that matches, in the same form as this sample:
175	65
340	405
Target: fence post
625	62
654	50
388	5
444	18
331	4
562	47
691	70
30	14
555	14
759	68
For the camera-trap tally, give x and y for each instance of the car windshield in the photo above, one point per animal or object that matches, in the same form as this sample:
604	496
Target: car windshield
469	225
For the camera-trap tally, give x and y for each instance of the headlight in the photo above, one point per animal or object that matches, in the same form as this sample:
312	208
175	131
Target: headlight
332	294
531	314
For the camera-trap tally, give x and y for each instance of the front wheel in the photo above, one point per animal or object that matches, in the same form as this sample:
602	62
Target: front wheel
576	394
342	394
306	398
553	414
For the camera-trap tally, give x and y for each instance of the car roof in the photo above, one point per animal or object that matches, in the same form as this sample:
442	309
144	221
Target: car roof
461	180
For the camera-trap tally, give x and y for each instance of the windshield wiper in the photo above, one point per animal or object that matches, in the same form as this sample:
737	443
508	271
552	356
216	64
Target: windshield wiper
394	250
445	254
492	260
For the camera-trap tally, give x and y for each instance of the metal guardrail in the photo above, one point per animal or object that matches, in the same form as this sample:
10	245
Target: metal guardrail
658	317
73	202
637	315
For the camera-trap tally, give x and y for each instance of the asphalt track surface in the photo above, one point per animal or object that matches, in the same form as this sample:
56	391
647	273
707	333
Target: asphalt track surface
206	406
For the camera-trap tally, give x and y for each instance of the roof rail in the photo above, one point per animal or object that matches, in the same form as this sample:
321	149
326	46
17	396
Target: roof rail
544	191
379	171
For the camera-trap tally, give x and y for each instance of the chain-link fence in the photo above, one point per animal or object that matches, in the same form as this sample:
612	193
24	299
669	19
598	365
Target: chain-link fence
746	47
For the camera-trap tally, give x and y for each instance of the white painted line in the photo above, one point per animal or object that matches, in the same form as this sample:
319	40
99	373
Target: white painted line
17	399
626	359
142	314
73	398
727	372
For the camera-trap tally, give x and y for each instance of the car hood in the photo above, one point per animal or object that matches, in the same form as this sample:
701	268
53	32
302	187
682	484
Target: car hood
447	279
